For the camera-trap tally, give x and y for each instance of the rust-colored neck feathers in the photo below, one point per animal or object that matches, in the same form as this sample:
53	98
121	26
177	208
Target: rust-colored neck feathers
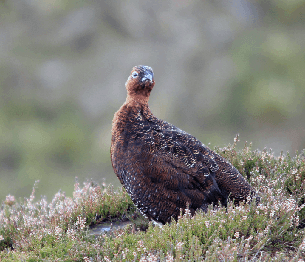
138	85
136	100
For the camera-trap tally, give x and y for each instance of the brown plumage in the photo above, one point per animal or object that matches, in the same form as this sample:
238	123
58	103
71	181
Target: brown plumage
163	168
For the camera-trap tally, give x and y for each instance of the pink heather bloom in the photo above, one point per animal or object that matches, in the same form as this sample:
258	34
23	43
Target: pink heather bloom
179	246
152	258
81	222
140	243
143	259
187	212
169	258
10	200
107	259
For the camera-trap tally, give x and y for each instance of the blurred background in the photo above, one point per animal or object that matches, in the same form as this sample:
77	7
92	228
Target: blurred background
221	68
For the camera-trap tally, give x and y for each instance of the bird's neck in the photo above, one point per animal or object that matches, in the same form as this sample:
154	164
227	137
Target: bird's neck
137	100
131	110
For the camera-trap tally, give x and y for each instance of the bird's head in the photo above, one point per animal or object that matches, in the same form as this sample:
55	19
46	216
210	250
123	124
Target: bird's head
140	83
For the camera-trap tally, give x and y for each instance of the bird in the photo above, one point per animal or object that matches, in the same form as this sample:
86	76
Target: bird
164	169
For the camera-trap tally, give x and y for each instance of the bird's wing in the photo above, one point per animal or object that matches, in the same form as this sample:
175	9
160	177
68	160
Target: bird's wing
181	150
185	152
173	150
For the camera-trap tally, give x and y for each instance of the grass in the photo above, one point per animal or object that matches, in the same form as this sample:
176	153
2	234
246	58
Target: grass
273	230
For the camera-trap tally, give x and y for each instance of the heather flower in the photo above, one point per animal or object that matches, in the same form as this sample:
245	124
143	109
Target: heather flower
71	233
179	246
107	259
302	246
10	200
187	212
140	243
249	199
81	222
58	231
77	193
151	258
143	259
169	258
266	230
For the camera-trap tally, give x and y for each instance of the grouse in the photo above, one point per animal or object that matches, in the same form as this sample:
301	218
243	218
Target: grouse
164	169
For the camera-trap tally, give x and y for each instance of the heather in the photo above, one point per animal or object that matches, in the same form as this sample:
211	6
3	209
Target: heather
33	229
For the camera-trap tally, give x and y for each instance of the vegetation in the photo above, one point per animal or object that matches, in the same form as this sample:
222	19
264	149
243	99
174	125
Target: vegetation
270	231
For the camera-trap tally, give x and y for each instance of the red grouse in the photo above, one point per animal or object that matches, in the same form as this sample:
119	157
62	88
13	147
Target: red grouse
163	168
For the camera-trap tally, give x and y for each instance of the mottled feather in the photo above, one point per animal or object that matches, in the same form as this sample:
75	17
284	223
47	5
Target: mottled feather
163	168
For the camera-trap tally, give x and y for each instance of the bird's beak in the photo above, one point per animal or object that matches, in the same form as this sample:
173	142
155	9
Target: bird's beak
148	74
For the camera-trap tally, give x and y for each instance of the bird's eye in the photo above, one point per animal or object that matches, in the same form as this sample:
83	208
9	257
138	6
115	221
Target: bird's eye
134	74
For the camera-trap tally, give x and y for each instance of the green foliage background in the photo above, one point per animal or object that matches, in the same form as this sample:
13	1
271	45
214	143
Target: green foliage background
220	69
